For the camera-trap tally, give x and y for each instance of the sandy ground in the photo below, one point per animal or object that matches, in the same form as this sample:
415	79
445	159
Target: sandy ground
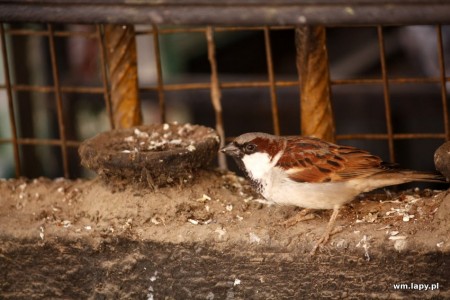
217	209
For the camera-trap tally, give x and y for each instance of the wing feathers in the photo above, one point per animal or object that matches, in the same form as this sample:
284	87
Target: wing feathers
314	160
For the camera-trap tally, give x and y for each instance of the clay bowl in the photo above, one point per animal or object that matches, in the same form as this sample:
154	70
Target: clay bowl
153	155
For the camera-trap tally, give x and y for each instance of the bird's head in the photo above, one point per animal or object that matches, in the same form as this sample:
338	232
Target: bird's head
254	152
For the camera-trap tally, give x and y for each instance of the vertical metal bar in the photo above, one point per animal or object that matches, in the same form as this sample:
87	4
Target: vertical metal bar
442	77
387	99
12	118
215	93
58	98
315	98
106	87
273	90
160	85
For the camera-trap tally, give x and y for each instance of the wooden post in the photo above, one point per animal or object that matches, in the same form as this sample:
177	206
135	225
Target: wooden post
312	65
122	63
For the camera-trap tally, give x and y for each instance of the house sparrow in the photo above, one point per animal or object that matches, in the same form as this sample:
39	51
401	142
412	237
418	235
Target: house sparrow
314	174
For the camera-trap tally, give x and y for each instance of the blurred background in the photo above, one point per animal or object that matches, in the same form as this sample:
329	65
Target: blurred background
411	52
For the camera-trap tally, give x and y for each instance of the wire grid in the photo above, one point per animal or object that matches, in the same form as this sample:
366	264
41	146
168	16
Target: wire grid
161	88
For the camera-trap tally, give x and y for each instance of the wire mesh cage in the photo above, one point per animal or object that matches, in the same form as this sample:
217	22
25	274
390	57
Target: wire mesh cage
364	73
388	89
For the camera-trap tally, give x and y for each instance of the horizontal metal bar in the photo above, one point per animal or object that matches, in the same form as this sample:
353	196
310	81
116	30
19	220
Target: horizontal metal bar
225	12
37	141
396	136
185	29
380	136
216	29
224	85
50	89
257	84
391	80
38	32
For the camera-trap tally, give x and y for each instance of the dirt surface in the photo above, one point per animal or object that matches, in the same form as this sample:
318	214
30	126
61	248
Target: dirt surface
212	239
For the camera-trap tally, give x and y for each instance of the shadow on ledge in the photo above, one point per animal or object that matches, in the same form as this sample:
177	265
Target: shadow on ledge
120	268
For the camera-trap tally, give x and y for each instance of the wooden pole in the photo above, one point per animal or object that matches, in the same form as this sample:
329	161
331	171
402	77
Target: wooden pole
312	65
122	63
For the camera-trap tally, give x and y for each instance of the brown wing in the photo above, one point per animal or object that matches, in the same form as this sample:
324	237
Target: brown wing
313	160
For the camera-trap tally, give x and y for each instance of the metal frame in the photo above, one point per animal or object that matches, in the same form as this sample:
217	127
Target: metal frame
226	12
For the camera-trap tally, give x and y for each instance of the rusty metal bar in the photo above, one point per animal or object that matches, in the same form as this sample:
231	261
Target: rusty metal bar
122	62
216	29
58	98
442	76
106	88
36	141
273	90
391	80
216	94
32	32
167	87
223	85
263	84
12	118
387	99
51	89
312	65
159	76
93	34
384	136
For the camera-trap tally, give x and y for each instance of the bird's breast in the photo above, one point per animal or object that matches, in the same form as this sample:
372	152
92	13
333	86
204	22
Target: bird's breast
277	187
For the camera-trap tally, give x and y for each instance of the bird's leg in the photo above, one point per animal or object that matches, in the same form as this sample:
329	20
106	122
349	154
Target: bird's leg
328	231
303	215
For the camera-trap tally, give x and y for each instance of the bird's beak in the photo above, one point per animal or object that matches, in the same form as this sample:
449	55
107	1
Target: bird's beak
231	150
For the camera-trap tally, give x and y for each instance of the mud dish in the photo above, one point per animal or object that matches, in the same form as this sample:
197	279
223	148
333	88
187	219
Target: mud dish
150	155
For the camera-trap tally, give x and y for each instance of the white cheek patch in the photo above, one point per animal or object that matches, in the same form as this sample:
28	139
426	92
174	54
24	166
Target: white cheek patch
257	164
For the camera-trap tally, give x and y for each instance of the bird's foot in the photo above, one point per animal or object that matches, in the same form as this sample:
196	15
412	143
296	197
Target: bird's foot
330	230
304	215
325	238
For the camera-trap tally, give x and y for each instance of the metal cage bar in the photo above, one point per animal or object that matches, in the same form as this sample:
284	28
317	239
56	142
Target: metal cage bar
159	75
443	81
386	94
12	118
58	98
273	88
106	88
216	95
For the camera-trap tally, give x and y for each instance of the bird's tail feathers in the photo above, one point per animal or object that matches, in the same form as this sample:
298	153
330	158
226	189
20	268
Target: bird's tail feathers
409	175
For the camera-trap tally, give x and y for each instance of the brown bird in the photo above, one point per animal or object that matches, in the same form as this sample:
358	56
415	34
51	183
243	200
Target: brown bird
314	174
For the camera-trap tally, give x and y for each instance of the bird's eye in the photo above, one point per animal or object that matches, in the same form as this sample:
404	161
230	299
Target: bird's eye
250	148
